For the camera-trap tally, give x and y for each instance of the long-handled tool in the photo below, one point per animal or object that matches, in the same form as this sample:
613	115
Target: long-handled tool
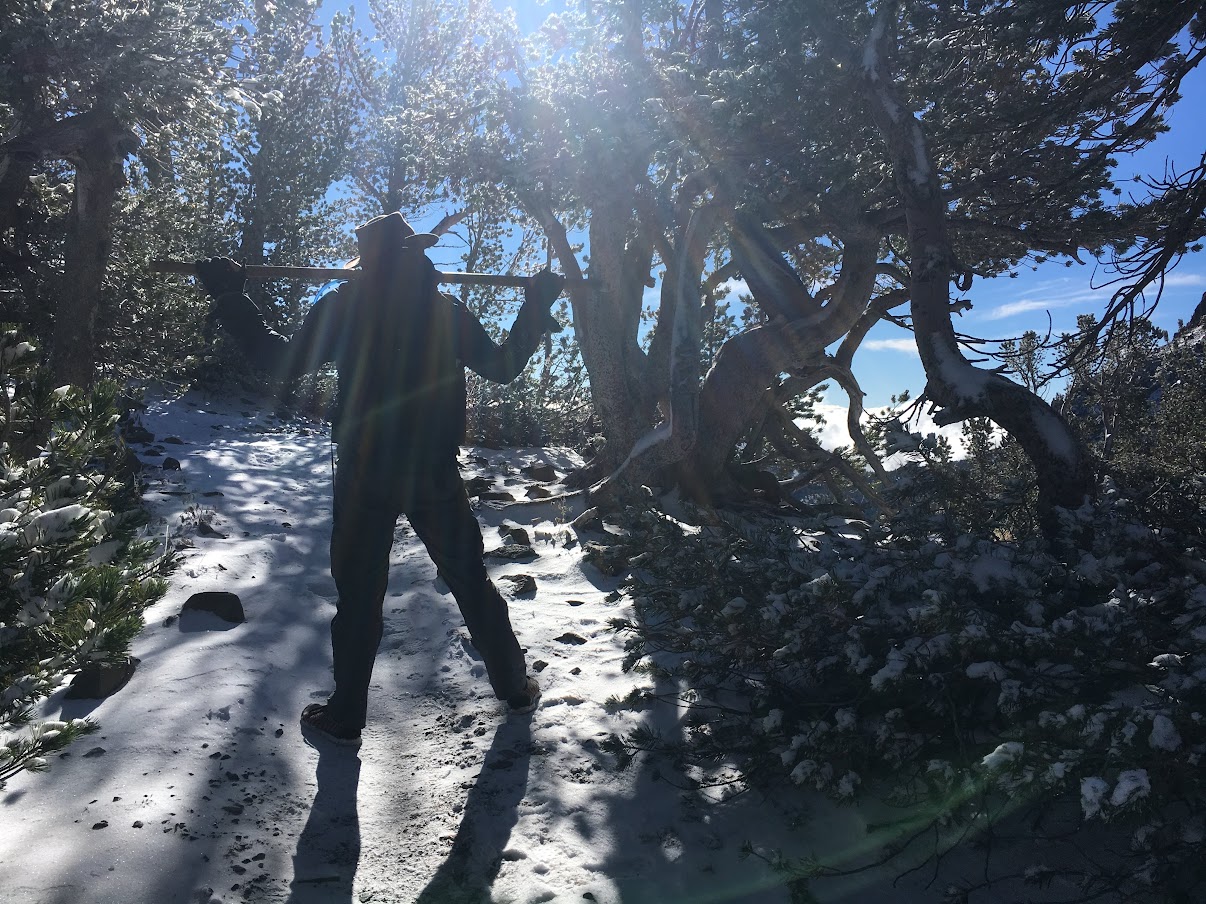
323	274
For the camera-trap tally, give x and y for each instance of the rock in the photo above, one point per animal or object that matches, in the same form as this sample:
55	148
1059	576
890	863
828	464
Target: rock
475	486
496	496
575	671
514	533
103	824
99	680
513	552
545	473
539	665
137	824
204	529
129	466
136	433
539	492
174	440
227	606
576	602
522	583
94	752
609	560
171	464
588	520
571	638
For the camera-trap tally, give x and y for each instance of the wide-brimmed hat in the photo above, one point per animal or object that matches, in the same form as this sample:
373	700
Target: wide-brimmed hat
391	231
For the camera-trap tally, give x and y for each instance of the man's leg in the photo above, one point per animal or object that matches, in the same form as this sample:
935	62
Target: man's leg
361	538
449	530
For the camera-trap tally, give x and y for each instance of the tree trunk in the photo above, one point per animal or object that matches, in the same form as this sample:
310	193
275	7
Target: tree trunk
750	363
606	312
99	176
1065	477
675	438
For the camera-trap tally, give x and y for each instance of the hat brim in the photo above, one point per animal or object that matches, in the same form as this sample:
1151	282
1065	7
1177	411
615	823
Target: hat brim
420	241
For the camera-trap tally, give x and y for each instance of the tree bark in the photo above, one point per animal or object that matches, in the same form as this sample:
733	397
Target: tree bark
750	363
606	313
1065	477
96	144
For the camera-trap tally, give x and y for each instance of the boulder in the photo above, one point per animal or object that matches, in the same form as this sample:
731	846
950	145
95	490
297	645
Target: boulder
102	679
475	486
545	473
227	606
515	533
521	583
513	552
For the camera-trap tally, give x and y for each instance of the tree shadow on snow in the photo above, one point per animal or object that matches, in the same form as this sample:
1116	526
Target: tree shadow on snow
491	812
328	850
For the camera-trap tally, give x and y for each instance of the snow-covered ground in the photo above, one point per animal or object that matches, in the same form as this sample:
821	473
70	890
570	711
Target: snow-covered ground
200	788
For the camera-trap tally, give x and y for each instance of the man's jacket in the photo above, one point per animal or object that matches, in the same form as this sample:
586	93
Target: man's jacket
401	353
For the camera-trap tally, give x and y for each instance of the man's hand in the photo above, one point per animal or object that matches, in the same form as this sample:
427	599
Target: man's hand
540	292
543	288
221	276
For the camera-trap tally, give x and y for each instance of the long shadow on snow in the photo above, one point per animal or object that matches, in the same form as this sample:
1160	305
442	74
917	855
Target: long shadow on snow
328	851
491	812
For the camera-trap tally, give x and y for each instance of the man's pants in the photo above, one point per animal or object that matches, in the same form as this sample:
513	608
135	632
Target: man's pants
367	507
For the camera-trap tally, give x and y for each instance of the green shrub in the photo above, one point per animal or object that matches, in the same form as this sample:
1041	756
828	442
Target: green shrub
76	576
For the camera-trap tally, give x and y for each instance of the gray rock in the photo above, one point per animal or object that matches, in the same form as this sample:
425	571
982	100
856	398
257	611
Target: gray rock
521	583
100	680
513	552
227	606
545	473
515	533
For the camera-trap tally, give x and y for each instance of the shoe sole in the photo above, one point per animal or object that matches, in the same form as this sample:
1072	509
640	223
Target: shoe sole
309	729
525	710
311	732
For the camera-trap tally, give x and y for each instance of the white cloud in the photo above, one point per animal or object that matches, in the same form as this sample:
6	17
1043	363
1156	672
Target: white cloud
909	346
1081	297
1176	280
1026	305
736	287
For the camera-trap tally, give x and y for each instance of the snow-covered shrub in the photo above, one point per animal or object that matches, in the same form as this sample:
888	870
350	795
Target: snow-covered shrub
74	578
938	664
548	404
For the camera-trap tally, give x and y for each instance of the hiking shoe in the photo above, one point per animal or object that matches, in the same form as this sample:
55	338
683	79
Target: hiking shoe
526	700
318	720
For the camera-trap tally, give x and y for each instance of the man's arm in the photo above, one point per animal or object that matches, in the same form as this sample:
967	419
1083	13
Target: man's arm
286	358
503	363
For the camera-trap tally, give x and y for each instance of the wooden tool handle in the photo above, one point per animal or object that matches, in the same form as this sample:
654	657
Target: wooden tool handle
323	274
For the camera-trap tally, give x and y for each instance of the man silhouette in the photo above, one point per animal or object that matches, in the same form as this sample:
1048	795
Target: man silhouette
400	348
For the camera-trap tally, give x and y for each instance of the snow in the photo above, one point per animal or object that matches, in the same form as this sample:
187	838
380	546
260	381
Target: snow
1005	754
1133	784
199	787
1164	734
1092	792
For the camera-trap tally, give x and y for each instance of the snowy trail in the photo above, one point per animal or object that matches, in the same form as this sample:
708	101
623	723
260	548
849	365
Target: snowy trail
199	787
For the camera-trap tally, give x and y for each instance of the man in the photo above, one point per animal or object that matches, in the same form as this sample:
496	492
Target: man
400	348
